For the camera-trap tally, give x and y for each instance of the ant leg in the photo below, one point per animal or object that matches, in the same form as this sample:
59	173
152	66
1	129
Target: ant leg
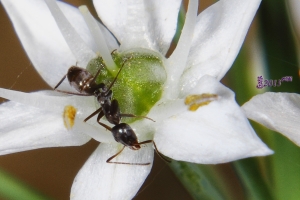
109	159
132	115
58	84
105	126
145	142
73	93
115	110
93	114
101	114
158	153
123	163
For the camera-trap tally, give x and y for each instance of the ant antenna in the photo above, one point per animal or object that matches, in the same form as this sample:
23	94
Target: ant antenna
112	83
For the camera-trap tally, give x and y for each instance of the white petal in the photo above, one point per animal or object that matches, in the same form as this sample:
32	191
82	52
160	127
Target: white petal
218	36
56	103
95	131
24	128
42	40
277	111
178	60
100	180
51	101
215	133
140	24
78	47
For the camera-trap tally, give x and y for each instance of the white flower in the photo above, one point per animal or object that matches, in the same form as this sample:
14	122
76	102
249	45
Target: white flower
277	111
197	118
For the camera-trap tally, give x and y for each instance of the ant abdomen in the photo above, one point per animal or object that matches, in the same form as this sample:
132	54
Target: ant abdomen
81	80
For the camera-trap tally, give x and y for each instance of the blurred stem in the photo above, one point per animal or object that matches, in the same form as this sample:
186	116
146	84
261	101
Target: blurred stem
202	181
279	45
251	170
180	23
13	189
280	50
205	181
250	174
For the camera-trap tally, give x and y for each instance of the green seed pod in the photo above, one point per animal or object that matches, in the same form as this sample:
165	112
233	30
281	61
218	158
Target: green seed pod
140	83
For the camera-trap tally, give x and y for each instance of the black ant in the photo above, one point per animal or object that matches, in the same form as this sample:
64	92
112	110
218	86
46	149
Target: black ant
85	83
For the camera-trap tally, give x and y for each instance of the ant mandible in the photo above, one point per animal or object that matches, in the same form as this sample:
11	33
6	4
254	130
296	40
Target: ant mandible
85	83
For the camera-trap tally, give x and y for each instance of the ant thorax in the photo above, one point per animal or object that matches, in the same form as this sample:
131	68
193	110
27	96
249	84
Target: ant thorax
103	96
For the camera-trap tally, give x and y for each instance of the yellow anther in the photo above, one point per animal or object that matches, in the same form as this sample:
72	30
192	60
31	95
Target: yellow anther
197	100
69	116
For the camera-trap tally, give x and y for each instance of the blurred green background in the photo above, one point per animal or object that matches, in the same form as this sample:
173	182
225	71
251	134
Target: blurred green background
271	49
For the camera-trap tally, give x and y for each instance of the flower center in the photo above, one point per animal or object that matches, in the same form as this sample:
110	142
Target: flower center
140	82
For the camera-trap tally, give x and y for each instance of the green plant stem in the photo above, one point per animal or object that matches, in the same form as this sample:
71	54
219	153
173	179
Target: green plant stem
13	189
280	49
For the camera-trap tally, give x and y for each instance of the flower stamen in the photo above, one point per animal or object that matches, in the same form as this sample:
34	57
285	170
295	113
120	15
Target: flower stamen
69	116
197	100
176	63
99	39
